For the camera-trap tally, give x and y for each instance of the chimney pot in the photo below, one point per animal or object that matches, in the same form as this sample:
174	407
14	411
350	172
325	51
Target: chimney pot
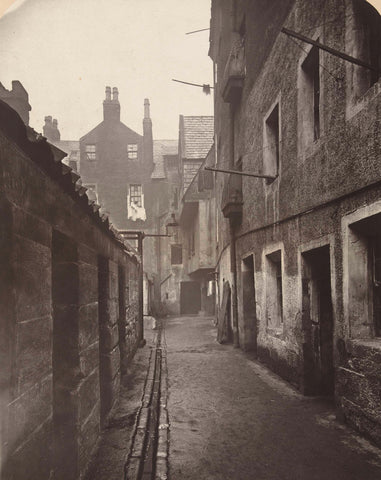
111	107
146	108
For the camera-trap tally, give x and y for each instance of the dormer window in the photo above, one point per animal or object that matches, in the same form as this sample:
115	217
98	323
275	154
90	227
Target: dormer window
132	151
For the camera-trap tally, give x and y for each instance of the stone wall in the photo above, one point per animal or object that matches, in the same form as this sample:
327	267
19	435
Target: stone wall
323	186
69	311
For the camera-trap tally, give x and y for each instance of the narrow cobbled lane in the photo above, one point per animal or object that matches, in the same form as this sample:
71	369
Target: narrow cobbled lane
230	418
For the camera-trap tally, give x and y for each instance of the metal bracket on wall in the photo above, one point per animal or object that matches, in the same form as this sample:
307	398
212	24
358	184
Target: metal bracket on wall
330	50
237	172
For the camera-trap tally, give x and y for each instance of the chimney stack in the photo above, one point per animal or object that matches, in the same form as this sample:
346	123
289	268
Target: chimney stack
111	107
146	108
50	129
18	99
56	132
147	137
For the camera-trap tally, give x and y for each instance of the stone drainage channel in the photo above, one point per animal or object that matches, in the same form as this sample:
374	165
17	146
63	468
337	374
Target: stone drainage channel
147	459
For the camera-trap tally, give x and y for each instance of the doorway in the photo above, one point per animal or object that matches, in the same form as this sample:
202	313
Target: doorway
249	342
317	318
65	300
190	298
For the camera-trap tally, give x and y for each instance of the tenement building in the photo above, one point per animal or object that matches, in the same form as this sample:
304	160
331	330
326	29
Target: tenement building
70	310
125	172
187	256
297	107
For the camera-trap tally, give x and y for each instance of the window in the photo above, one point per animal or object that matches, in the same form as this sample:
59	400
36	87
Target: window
274	291
312	77
91	193
175	202
91	152
363	266
191	244
136	195
271	144
132	150
363	39
205	180
176	254
193	251
309	100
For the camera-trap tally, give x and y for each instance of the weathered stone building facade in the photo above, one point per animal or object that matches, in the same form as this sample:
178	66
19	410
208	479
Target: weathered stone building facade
125	172
188	255
300	248
69	310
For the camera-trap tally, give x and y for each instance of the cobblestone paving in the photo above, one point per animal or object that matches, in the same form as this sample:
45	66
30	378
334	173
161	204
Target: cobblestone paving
231	418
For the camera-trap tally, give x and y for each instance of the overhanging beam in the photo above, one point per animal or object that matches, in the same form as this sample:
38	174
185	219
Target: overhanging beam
236	172
330	50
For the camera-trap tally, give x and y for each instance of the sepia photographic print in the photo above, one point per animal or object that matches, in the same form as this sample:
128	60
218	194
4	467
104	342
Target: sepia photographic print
190	240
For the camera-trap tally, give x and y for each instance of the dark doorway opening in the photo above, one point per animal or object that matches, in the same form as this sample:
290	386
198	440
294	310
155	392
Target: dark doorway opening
105	380
65	288
190	298
249	305
317	317
225	328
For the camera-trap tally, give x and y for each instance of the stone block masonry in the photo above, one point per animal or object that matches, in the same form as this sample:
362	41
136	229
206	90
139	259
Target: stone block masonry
68	297
304	247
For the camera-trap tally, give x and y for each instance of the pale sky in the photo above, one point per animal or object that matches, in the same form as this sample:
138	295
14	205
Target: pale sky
65	52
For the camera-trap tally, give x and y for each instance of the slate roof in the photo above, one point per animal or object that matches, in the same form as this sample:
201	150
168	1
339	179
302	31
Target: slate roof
160	149
197	136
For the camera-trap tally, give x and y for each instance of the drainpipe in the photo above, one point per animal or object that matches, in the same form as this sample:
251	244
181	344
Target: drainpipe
233	253
141	339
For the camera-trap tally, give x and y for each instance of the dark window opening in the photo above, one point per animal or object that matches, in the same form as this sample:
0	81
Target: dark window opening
271	144
279	289
205	180
136	195
175	202
176	254
312	75
365	28
275	291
